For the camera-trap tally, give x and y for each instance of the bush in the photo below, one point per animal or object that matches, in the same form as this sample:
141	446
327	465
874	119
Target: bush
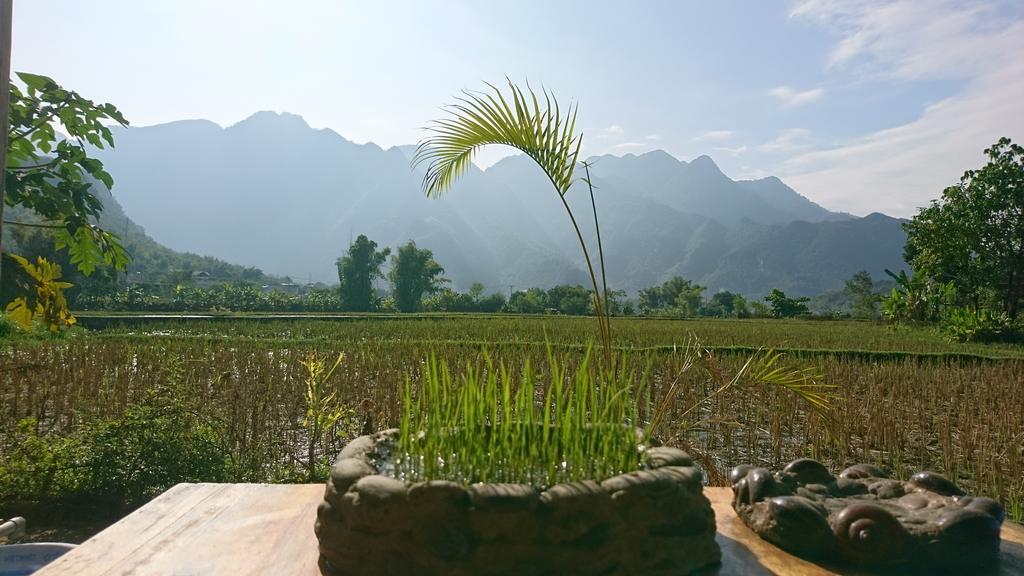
154	446
114	463
36	467
974	325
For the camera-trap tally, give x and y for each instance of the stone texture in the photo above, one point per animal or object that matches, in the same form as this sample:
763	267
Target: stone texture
869	519
651	521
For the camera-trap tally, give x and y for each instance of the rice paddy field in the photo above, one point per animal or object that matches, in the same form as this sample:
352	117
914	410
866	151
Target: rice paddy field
905	400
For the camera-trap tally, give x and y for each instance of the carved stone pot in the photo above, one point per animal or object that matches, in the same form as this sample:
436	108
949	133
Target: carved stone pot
651	521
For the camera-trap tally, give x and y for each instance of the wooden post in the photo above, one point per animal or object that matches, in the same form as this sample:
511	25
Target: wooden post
6	12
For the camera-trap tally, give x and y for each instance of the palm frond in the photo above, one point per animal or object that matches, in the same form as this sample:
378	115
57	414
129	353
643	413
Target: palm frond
805	382
532	125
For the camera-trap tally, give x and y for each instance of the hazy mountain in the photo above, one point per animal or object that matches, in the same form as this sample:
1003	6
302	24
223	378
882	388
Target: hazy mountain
272	192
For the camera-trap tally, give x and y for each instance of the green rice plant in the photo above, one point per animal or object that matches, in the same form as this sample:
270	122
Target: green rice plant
493	424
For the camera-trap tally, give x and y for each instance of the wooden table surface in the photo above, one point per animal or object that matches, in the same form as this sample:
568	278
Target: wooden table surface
239	529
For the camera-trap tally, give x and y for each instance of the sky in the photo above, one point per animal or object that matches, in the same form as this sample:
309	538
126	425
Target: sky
860	105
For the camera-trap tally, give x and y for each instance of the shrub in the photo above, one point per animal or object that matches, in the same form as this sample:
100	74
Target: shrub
979	325
113	463
154	446
36	467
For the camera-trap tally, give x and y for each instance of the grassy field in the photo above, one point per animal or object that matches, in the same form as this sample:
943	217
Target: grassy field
797	335
907	400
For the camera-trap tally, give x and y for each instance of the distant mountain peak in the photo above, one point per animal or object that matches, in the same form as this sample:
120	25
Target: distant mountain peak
269	118
190	124
705	162
660	154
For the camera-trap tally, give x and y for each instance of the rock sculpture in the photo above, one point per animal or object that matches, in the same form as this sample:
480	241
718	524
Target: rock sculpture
866	518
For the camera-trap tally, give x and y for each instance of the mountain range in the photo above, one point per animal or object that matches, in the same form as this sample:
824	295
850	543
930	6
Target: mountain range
274	193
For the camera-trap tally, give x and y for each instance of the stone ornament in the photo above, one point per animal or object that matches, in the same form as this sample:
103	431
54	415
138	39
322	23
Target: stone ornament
652	521
865	518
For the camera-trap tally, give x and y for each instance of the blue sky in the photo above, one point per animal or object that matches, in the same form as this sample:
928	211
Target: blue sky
861	105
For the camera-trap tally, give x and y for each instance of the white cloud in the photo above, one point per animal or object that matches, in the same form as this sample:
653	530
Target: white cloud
914	39
790	97
788	141
613	130
901	168
653	137
625	145
733	151
848	48
714	136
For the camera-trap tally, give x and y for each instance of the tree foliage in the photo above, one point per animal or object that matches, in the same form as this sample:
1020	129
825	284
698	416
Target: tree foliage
861	290
356	272
677	296
973	237
52	175
783	306
414	273
448	300
45	302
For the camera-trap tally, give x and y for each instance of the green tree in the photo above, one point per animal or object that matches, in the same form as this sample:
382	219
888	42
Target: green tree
721	304
493	303
677	296
740	306
54	177
476	291
784	307
414	272
575	300
861	290
356	272
619	303
974	235
531	301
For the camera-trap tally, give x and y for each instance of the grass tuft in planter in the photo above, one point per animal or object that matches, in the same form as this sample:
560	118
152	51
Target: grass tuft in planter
491	423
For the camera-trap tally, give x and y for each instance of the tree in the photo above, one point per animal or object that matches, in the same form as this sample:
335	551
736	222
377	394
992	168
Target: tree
676	296
721	304
54	177
619	303
784	307
531	301
575	300
476	291
739	306
414	272
861	290
974	235
356	272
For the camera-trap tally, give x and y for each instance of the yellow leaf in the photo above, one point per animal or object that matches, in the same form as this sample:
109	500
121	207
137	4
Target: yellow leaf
20	312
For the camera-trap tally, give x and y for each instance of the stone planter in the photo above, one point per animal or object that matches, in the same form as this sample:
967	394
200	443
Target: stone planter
652	521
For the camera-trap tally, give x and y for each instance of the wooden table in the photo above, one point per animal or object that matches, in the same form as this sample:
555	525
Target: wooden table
239	529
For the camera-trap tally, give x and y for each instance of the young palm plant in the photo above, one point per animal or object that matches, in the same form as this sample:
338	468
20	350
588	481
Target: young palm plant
532	125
